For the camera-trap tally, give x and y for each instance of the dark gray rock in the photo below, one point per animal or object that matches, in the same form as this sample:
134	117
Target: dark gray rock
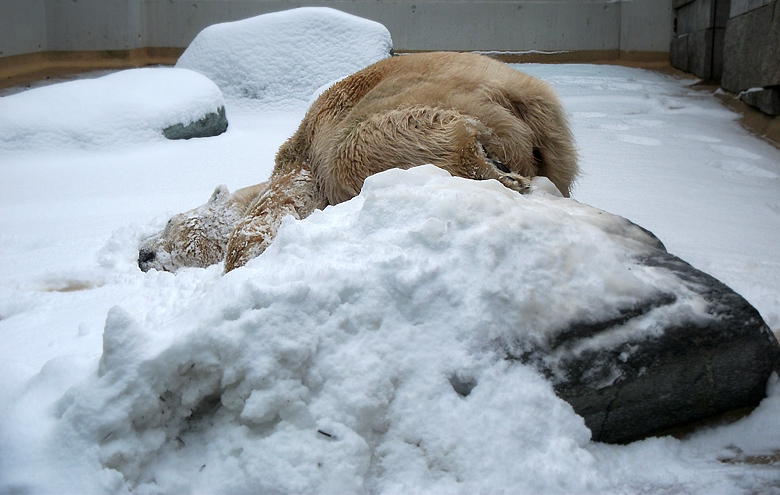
212	124
766	99
708	352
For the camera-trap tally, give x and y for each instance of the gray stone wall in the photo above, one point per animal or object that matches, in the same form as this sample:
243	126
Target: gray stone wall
752	46
697	45
751	54
736	42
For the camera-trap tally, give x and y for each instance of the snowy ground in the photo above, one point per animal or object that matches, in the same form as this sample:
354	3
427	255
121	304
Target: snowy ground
310	371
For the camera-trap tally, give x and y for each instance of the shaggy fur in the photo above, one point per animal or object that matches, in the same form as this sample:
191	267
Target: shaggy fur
199	237
468	114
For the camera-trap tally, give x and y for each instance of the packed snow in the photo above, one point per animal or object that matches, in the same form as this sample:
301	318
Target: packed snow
356	354
284	56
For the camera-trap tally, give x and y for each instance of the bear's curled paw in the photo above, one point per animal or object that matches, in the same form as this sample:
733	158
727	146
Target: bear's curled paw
515	182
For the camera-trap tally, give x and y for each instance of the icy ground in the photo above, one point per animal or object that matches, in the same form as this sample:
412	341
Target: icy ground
347	358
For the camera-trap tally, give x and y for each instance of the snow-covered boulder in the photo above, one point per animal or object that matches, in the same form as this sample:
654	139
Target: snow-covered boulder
286	55
692	350
400	340
124	107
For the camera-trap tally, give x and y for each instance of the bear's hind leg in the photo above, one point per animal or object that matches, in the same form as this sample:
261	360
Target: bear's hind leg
407	137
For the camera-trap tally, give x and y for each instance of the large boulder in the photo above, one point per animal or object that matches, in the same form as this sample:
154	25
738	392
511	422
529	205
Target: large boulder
126	107
710	355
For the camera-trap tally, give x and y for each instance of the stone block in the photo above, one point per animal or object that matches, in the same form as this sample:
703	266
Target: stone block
751	50
676	4
738	7
721	13
765	99
678	53
717	53
695	16
700	53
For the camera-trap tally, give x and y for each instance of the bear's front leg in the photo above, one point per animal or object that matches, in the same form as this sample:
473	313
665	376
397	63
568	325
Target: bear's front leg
291	192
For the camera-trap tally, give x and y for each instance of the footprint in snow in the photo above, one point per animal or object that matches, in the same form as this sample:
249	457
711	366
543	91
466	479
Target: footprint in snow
640	140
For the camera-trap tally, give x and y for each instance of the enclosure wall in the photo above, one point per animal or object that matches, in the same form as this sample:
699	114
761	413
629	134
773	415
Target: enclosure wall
628	27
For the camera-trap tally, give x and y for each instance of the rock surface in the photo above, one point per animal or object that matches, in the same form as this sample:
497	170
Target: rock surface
690	368
212	124
765	99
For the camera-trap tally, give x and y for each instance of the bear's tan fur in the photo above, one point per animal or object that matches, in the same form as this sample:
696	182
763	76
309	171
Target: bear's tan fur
198	237
468	114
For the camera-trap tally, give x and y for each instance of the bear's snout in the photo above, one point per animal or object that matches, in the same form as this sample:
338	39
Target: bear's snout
145	257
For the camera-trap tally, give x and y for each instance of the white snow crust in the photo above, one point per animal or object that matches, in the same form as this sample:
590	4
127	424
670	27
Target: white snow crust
275	58
357	354
130	107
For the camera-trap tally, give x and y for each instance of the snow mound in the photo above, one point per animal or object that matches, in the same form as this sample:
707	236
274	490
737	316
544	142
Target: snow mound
286	55
362	352
125	107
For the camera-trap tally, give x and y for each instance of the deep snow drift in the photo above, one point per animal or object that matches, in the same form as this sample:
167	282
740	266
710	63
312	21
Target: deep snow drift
340	360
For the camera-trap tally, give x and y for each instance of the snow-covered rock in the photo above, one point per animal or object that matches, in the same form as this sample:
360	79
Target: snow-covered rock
681	355
131	106
366	351
286	55
211	124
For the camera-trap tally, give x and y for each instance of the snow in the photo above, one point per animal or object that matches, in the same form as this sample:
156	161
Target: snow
287	55
355	354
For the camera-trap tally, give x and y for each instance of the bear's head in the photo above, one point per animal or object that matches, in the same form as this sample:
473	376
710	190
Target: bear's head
195	238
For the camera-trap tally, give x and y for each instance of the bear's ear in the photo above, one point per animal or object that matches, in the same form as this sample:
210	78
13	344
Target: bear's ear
220	195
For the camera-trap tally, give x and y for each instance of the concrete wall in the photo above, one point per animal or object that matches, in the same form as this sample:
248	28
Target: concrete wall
30	26
646	26
22	27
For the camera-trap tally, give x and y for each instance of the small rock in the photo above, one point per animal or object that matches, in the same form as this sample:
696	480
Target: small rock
212	124
765	99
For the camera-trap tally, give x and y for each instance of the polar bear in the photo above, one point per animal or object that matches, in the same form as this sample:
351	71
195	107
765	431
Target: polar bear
468	114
